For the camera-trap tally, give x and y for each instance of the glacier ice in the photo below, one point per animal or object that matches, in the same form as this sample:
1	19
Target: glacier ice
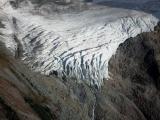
76	45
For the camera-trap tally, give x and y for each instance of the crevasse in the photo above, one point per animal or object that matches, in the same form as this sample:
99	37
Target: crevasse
78	48
83	55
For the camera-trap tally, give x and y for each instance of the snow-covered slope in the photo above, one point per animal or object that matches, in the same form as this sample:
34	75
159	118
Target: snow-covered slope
77	45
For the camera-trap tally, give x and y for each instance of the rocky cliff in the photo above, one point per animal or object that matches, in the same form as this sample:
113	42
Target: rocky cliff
133	90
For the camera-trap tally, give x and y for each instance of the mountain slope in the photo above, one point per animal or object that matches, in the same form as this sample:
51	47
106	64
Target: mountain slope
61	64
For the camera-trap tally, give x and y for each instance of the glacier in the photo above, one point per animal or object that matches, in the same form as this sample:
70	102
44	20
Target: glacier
75	45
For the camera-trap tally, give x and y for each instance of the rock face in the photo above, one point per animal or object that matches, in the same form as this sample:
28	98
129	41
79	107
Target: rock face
50	6
133	91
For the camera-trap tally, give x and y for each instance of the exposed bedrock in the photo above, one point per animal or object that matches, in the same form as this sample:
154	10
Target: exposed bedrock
133	91
46	7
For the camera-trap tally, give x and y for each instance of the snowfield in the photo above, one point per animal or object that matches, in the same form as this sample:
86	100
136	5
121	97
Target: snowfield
75	45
